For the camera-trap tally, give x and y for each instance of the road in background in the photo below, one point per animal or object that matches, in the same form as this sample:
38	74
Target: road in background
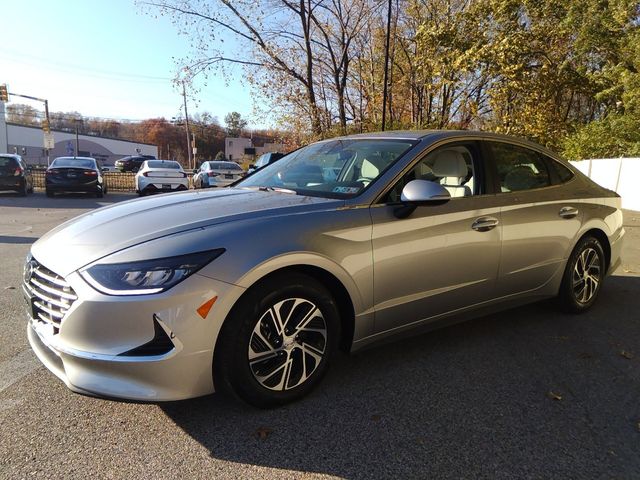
527	393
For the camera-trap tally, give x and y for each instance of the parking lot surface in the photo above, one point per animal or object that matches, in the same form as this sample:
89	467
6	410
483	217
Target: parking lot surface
527	393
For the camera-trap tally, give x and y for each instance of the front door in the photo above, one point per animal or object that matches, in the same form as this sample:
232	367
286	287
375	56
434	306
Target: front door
441	258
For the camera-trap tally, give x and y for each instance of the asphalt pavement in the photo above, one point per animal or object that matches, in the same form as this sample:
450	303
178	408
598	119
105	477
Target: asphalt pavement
527	393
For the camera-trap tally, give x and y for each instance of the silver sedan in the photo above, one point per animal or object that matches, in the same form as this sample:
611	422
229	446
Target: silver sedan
340	244
217	174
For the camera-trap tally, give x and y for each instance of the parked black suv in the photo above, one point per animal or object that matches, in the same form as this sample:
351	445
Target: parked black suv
14	174
132	163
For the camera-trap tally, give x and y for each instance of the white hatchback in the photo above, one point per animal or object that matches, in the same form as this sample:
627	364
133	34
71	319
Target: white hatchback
160	176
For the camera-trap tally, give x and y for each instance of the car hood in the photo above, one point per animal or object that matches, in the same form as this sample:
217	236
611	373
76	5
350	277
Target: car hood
101	232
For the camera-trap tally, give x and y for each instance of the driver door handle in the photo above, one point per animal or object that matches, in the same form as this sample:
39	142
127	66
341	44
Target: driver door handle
568	212
484	224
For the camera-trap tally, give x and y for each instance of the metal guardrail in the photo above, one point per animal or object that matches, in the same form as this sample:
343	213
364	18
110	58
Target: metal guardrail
116	181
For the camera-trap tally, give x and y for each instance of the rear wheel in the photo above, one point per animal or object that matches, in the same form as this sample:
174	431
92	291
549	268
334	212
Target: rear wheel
49	193
583	276
24	190
276	344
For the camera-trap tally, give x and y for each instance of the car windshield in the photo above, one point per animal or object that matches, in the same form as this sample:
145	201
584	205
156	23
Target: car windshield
224	166
163	164
335	169
74	162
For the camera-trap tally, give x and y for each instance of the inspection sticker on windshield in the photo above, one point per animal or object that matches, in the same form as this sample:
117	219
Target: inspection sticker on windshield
346	189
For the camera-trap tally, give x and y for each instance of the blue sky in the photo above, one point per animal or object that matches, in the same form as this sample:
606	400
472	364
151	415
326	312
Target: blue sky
104	58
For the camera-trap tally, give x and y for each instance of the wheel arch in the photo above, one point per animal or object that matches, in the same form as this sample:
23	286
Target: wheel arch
602	237
340	293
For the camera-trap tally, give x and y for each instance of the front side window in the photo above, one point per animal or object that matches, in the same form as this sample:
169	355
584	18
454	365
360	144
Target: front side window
518	168
451	166
340	168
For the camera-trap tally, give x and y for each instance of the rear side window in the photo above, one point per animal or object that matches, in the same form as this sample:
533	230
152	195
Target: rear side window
518	168
564	174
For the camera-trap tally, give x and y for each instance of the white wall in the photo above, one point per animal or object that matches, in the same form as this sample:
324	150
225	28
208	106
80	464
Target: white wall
618	174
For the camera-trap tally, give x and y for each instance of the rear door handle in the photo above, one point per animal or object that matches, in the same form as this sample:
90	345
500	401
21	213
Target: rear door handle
484	224
568	212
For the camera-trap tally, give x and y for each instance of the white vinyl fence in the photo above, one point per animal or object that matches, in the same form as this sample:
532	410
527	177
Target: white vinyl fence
619	174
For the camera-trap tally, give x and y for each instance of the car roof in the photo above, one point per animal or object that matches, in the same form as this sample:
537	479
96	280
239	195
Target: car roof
75	158
161	161
435	135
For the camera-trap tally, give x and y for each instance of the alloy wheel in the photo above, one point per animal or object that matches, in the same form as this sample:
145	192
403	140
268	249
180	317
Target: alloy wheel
586	275
287	344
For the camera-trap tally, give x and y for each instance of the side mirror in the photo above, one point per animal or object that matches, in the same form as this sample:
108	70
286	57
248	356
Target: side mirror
195	170
424	191
420	192
253	165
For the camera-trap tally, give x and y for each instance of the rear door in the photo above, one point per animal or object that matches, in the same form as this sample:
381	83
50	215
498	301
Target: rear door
539	218
438	259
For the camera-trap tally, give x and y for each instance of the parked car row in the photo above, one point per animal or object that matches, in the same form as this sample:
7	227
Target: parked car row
83	174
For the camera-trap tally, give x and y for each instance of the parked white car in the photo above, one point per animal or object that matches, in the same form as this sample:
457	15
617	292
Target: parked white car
217	174
160	176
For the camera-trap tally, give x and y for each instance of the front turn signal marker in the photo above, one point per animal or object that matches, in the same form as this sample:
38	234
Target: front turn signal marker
203	310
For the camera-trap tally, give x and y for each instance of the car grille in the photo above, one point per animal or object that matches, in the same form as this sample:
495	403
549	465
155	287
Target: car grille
53	296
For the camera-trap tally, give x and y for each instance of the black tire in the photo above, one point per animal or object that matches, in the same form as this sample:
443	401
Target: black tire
99	193
286	376
24	190
579	289
49	193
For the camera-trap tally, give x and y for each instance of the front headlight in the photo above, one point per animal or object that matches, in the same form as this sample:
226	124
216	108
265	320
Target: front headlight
147	276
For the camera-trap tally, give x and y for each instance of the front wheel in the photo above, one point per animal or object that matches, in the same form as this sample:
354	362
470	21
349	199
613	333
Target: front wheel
276	344
583	276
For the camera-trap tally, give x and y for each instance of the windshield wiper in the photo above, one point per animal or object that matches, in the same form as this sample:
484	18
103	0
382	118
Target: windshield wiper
276	189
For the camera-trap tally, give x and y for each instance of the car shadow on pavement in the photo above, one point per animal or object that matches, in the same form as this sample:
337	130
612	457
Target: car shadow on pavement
529	392
63	201
17	240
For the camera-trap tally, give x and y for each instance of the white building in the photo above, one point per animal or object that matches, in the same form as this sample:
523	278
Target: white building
237	148
29	143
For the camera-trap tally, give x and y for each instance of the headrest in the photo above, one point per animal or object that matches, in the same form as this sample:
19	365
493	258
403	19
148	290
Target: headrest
449	163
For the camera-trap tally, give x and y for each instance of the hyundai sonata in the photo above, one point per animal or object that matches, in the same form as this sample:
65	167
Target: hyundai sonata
343	243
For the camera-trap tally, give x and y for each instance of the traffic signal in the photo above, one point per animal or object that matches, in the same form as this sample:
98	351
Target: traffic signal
45	125
4	93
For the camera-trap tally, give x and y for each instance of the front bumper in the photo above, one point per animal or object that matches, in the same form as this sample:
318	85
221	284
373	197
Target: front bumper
91	350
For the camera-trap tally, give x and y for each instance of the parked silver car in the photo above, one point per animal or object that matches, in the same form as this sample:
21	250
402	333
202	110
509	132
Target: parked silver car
217	174
342	243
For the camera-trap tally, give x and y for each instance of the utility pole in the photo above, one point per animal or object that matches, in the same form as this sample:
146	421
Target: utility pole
46	127
186	124
386	69
77	122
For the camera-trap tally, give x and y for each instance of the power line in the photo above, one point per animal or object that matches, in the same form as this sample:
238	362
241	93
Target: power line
83	69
